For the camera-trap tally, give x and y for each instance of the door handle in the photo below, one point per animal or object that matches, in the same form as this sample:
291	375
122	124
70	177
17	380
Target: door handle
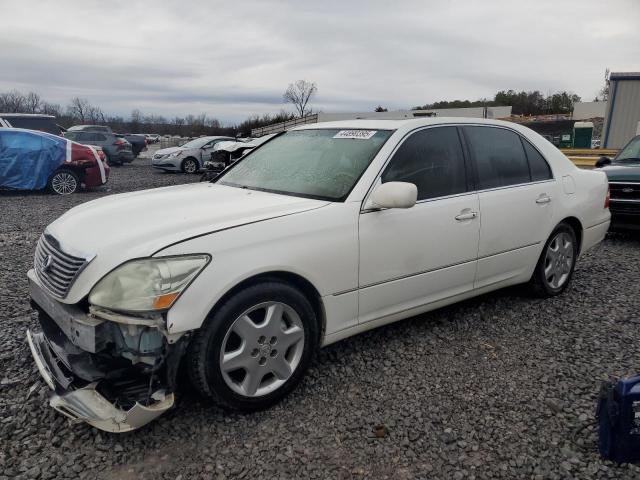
466	216
543	198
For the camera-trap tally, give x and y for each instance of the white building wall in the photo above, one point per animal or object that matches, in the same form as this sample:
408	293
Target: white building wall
586	110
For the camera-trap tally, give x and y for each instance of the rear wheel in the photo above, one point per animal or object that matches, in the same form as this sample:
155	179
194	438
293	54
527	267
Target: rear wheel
557	261
64	182
190	165
255	348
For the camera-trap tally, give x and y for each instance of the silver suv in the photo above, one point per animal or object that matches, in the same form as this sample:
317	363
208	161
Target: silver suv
117	150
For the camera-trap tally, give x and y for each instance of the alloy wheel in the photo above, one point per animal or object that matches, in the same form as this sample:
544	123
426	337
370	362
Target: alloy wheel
190	166
64	183
559	260
262	349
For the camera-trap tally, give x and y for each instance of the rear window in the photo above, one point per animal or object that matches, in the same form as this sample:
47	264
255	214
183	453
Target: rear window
43	124
537	164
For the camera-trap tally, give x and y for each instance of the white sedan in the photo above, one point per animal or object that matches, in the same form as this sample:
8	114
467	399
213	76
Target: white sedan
320	233
187	158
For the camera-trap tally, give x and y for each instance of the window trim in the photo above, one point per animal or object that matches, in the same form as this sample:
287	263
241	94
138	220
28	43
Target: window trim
377	180
469	163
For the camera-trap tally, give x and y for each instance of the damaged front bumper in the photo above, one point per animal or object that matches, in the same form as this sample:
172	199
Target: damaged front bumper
97	376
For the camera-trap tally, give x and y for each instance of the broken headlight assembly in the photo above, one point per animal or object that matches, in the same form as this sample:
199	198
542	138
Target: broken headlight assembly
148	284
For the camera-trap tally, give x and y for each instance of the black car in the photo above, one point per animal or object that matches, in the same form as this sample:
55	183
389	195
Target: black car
138	142
43	123
624	184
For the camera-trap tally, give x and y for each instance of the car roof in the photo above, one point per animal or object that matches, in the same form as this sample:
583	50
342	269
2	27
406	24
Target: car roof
408	124
33	115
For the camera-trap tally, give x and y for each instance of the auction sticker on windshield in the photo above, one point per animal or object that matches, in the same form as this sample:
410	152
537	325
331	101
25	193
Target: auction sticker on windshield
357	134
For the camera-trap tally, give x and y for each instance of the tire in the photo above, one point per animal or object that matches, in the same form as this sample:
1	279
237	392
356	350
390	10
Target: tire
257	377
190	165
64	182
113	163
556	264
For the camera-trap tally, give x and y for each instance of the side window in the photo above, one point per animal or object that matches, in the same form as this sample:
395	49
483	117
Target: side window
71	136
537	164
99	137
83	137
432	159
499	157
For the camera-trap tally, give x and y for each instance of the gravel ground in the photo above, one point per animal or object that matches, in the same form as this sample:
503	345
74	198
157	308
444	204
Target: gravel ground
502	386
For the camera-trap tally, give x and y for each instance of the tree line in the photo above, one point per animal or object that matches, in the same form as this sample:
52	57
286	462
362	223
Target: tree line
522	102
80	111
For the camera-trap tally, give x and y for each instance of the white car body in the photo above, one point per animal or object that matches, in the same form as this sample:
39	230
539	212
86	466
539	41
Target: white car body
368	267
172	158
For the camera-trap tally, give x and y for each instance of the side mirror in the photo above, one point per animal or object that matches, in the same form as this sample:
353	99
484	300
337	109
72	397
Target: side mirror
603	161
394	195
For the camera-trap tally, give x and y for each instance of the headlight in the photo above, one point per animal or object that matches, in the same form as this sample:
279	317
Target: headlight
150	284
175	154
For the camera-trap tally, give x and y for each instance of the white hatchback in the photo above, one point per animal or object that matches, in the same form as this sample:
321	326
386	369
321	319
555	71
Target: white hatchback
318	234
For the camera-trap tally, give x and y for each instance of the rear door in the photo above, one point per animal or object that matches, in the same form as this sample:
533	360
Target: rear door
415	256
516	193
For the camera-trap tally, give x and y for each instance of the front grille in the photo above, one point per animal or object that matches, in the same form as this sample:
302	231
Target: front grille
624	191
56	269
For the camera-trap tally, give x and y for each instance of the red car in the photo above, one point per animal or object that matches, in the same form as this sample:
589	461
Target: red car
31	160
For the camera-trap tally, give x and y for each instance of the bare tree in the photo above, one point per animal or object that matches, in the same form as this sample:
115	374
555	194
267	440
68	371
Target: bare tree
299	94
51	109
32	102
12	102
79	109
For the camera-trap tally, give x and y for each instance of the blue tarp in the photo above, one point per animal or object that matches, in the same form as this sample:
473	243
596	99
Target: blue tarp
28	158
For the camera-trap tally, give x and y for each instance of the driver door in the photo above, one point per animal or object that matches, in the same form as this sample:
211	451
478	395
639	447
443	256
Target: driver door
415	256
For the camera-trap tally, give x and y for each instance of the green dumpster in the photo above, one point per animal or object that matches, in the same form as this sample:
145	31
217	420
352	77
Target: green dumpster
582	134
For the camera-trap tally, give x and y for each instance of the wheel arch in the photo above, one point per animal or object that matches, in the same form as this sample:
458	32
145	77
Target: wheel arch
77	169
293	279
576	225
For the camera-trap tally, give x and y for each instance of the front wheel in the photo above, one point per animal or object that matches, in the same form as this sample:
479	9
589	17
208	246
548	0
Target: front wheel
64	182
255	348
557	261
190	165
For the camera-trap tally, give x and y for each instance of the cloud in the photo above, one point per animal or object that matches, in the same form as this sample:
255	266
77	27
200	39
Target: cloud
230	60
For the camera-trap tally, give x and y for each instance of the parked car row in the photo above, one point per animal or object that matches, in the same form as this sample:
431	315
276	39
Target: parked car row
31	160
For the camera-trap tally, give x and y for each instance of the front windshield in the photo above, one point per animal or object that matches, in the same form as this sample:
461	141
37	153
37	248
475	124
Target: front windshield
197	143
630	153
319	163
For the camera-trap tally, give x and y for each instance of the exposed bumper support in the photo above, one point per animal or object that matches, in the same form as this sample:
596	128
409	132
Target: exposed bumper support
86	403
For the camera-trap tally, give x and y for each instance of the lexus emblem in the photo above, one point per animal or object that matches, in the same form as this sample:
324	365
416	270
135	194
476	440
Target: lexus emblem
627	190
46	263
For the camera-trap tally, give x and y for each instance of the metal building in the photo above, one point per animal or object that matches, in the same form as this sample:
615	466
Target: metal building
622	118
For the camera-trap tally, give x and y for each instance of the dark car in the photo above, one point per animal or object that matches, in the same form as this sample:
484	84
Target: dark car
623	172
31	160
138	142
42	123
117	150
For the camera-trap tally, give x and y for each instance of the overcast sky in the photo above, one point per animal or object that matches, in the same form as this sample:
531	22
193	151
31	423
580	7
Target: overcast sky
233	59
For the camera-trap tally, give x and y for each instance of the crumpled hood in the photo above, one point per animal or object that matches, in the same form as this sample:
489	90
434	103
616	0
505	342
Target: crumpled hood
121	227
